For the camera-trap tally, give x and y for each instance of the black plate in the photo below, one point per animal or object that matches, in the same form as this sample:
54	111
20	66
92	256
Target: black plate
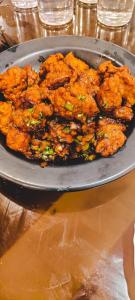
71	177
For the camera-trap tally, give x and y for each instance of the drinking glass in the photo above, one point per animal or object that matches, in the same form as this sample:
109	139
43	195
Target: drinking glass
24	3
115	12
55	12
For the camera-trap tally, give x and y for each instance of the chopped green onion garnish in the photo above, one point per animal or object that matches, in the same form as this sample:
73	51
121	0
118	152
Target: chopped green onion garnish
66	129
40	115
44	157
105	105
34	122
77	141
69	106
86	147
36	148
84	155
81	97
48	151
31	110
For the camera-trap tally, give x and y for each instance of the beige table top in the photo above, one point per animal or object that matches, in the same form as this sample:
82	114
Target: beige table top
66	246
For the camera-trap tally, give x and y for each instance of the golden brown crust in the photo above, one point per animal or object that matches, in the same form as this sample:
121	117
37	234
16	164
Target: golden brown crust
18	141
68	110
124	113
75	63
110	137
5	116
74	103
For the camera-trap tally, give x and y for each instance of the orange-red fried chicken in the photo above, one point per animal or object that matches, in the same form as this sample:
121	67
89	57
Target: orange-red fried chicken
32	76
124	113
109	95
108	69
74	102
5	116
58	78
49	64
31	96
33	118
119	85
90	79
42	110
75	63
110	137
127	86
15	80
62	112
57	72
18	140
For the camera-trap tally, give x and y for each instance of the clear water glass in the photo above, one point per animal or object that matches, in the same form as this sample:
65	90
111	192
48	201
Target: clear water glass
24	4
55	12
88	2
115	12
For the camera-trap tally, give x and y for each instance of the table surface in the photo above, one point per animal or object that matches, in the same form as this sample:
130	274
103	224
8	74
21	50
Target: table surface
56	246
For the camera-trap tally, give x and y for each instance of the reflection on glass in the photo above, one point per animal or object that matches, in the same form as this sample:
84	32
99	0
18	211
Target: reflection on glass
24	4
118	36
115	12
27	25
86	21
56	12
66	30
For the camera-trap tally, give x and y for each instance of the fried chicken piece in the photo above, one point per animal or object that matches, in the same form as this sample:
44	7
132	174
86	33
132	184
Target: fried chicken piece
90	79
110	94
57	72
14	77
32	76
34	95
49	64
124	82
110	137
107	121
18	141
15	80
108	69
127	82
5	116
18	119
124	113
31	96
29	120
52	115
42	110
75	63
74	102
57	79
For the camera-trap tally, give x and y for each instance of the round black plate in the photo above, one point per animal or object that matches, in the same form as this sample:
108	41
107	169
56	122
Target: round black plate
71	177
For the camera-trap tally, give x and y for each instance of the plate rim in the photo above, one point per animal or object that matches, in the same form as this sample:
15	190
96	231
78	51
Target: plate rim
67	188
